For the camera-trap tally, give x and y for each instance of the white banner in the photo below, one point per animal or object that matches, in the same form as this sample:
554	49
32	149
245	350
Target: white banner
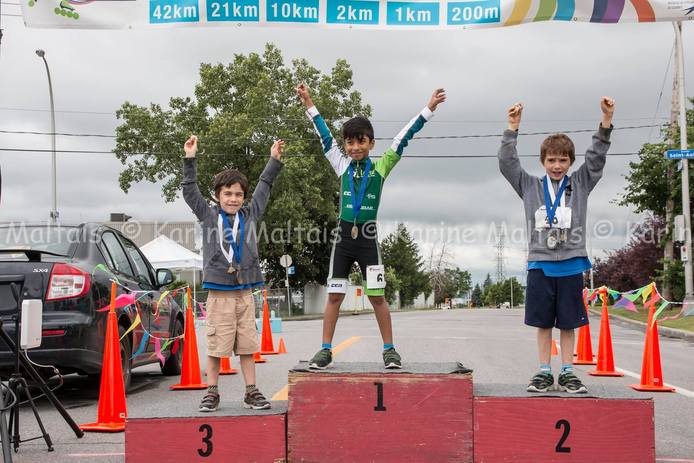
364	14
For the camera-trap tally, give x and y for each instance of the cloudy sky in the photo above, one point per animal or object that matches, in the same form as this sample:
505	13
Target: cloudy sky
558	70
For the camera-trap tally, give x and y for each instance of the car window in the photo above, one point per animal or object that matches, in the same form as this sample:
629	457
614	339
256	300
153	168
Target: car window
118	256
140	265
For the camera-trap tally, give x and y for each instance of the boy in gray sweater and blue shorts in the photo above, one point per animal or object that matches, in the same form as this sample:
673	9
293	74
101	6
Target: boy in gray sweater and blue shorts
555	211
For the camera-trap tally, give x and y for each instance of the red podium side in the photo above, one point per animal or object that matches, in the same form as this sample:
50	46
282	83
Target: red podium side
610	425
232	434
361	412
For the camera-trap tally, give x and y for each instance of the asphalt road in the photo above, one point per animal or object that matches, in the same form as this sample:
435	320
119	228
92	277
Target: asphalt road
495	343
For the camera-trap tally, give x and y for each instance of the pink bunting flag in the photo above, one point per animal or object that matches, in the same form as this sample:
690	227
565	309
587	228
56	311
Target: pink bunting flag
174	349
203	312
122	300
157	351
626	304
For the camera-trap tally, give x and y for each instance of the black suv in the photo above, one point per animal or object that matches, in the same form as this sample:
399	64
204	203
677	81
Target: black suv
70	268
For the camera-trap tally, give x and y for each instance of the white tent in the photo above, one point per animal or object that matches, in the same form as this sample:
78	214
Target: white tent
163	252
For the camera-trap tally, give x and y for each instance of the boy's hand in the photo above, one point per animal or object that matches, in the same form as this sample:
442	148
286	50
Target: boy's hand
514	116
191	146
277	150
304	95
437	98
607	107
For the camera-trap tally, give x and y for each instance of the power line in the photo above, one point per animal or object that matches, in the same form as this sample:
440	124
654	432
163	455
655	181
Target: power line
662	87
431	137
399	121
414	156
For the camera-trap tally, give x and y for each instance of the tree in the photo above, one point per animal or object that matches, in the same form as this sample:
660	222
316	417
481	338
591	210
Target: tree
238	110
500	292
401	253
453	283
487	284
393	285
476	297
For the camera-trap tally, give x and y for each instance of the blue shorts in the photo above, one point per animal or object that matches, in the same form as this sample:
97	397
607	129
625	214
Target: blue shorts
554	301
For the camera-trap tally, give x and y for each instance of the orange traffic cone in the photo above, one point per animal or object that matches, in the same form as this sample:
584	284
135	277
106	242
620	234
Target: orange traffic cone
225	367
605	356
267	347
651	370
555	351
190	368
112	409
281	349
584	346
258	359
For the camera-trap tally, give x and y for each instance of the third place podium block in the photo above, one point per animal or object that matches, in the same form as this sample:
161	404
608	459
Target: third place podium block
608	425
362	412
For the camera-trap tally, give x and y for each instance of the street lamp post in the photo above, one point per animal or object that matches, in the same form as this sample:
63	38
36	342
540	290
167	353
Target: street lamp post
54	203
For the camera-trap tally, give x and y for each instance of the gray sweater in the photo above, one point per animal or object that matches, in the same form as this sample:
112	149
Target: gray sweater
215	265
579	186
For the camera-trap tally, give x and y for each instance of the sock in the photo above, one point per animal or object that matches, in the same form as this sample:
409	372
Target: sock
250	387
545	368
567	368
213	388
326	346
388	346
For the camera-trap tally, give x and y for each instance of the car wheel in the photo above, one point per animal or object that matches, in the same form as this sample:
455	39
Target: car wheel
125	354
172	366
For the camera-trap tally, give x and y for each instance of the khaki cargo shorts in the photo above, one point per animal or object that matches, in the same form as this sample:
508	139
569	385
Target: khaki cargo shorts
231	323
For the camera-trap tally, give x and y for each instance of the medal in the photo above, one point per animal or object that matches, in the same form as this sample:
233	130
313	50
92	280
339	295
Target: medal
357	200
552	241
235	250
231	270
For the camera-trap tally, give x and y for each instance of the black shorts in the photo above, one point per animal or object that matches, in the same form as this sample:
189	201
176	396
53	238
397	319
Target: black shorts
363	250
554	301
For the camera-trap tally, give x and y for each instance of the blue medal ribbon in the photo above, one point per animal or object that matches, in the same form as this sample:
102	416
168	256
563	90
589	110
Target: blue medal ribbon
552	208
237	248
357	200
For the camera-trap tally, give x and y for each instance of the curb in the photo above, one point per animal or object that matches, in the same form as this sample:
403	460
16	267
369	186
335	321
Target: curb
664	330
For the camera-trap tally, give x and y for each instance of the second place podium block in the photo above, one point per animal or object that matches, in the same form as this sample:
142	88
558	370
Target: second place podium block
361	412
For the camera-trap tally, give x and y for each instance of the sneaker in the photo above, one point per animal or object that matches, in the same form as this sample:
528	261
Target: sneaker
322	360
210	402
391	358
570	383
255	400
541	382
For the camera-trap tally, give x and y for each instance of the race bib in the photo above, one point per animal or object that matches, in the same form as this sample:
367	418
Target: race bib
375	277
562	219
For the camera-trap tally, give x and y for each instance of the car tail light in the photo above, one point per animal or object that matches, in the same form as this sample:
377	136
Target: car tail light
46	333
67	282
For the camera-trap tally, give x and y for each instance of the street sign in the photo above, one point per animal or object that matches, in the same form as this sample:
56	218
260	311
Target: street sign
291	270
679	154
286	260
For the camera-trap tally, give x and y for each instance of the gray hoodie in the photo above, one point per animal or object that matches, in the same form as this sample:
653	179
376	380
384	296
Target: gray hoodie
215	264
531	191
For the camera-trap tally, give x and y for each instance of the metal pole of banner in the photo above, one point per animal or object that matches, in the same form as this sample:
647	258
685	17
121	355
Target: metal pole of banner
289	293
54	190
686	204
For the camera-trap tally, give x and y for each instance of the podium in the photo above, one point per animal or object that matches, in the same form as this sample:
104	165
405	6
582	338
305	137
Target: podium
232	433
609	424
362	412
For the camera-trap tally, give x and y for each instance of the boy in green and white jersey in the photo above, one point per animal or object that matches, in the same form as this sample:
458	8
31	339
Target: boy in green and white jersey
361	184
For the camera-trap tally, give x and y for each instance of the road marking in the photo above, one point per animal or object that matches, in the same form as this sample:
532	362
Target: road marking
679	390
283	394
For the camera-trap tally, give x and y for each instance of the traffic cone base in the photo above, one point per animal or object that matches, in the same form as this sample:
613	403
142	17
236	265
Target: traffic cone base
646	388
258	359
184	387
103	427
281	349
605	373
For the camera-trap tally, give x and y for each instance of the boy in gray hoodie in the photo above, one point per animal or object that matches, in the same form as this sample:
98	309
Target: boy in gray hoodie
231	266
555	213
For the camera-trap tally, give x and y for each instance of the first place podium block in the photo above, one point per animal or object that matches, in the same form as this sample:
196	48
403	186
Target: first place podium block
362	412
609	425
231	434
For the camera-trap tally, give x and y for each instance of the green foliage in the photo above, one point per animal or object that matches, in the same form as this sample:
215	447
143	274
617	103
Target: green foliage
450	283
238	110
401	254
500	292
476	297
393	285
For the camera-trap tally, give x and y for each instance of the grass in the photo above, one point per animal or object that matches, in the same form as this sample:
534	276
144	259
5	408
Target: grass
685	323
